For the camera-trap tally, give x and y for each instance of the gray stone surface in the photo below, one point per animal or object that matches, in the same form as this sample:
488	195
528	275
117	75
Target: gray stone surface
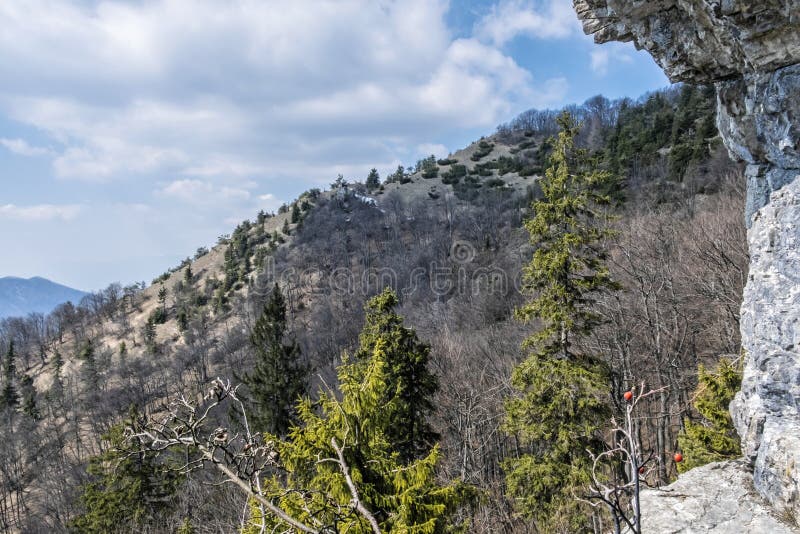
767	410
750	50
716	498
701	40
759	118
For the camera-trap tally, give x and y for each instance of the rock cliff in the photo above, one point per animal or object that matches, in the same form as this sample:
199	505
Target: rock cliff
750	50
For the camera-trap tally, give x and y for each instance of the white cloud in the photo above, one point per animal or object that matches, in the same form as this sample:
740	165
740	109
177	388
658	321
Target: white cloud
23	148
241	89
600	59
189	191
234	194
538	19
40	212
605	56
209	195
438	150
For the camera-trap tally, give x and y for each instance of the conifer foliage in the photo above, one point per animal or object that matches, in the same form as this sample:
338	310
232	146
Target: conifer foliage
373	180
562	391
129	487
278	378
9	399
345	471
410	400
714	438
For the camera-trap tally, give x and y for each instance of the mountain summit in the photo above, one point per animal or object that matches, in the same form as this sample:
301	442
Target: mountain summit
19	297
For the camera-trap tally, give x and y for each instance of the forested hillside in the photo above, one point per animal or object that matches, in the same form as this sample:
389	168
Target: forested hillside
406	392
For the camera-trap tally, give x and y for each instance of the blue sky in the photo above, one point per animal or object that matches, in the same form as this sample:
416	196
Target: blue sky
133	132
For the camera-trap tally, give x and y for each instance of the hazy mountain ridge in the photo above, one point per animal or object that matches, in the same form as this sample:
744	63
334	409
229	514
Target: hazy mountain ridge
20	296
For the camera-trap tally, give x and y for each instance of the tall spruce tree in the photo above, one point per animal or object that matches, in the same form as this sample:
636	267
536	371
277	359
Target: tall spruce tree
405	417
562	391
278	378
296	215
713	438
29	405
129	488
10	396
90	374
402	496
373	180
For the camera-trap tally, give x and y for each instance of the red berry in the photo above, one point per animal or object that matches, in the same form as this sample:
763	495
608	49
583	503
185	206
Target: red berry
678	457
641	470
628	396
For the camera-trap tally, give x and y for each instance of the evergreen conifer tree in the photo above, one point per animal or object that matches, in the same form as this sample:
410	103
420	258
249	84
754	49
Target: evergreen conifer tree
162	297
56	391
562	392
714	438
129	488
29	404
373	180
405	418
402	496
90	374
295	213
278	378
10	397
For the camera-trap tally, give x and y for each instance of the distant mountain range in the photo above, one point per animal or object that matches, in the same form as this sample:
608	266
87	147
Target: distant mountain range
19	297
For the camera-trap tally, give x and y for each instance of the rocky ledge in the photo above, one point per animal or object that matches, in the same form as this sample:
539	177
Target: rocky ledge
713	499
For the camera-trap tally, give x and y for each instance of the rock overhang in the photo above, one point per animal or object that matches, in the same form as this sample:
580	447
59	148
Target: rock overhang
701	41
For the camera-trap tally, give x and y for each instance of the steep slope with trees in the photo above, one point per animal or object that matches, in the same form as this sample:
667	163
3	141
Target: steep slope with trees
448	237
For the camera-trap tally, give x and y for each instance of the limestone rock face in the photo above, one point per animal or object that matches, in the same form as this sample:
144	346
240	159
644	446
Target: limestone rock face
750	50
701	40
759	118
713	499
767	410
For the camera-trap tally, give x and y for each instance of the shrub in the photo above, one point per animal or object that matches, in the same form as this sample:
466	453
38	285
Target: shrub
430	173
162	278
506	165
484	149
484	171
159	316
453	175
714	438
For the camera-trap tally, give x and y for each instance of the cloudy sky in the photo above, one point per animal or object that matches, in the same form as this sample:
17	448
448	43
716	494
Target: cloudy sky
132	132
